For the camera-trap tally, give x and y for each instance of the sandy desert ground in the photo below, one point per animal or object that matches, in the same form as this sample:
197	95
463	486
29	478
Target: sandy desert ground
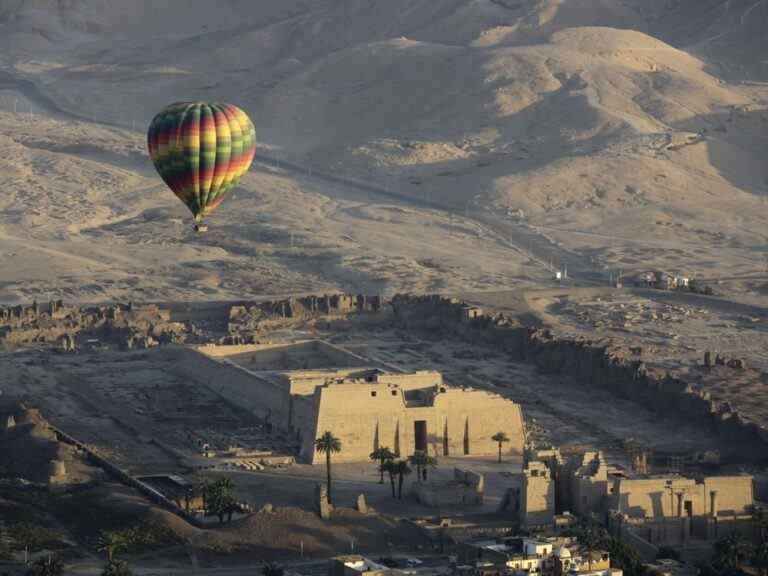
500	139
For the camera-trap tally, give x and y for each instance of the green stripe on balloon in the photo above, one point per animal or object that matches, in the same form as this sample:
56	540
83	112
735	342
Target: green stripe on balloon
206	154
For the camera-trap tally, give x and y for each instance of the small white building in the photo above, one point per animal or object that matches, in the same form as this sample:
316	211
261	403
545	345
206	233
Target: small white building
535	547
528	565
535	559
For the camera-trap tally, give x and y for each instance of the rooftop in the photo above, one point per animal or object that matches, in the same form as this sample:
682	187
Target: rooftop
360	563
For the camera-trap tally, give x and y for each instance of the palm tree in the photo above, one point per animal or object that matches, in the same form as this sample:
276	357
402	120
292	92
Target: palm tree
200	487
113	542
47	566
328	444
390	467
422	461
402	470
592	536
272	569
500	438
117	568
382	455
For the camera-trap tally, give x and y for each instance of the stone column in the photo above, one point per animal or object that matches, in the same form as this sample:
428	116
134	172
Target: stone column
713	503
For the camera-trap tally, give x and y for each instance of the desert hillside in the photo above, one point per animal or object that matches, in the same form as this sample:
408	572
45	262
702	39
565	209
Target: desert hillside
501	138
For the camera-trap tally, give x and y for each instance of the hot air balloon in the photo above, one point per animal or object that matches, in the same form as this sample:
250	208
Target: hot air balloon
201	150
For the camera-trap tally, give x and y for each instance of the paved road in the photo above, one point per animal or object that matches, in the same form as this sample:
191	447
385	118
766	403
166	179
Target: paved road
314	567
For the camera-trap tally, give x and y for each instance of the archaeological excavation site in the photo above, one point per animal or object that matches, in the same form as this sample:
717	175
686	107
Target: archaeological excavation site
506	411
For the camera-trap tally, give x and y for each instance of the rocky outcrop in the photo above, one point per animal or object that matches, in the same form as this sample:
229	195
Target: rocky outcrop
593	363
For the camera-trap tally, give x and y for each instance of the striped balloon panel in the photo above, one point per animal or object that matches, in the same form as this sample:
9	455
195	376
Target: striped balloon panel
201	151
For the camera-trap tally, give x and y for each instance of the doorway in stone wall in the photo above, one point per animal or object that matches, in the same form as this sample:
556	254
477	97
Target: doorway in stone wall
420	435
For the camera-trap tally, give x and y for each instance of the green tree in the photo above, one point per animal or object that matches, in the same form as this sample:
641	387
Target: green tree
272	569
47	566
595	537
328	444
117	568
5	543
26	535
500	438
730	553
381	455
625	557
402	470
220	498
422	461
707	570
760	519
760	558
113	542
390	467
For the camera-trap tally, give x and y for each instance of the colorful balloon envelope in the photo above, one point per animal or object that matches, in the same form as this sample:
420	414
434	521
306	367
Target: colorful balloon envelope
201	150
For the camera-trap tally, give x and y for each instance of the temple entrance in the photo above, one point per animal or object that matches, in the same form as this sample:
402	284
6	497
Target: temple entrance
420	435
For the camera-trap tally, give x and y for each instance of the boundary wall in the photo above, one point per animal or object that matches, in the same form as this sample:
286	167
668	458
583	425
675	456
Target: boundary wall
589	362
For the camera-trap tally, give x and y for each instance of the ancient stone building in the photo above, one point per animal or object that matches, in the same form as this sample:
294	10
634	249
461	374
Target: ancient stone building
681	512
677	497
364	407
587	483
407	413
537	495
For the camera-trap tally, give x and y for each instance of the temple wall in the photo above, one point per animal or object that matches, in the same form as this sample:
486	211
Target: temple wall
588	362
459	423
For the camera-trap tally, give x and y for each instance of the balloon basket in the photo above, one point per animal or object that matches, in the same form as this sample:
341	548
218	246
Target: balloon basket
200	228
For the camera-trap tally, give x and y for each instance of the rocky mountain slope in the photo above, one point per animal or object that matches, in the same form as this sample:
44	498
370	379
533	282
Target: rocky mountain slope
629	134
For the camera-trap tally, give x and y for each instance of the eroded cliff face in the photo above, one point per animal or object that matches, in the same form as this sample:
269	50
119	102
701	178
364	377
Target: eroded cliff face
589	362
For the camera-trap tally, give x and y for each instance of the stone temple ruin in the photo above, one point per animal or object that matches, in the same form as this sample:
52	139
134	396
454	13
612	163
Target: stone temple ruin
365	407
247	321
127	326
91	328
650	510
466	488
